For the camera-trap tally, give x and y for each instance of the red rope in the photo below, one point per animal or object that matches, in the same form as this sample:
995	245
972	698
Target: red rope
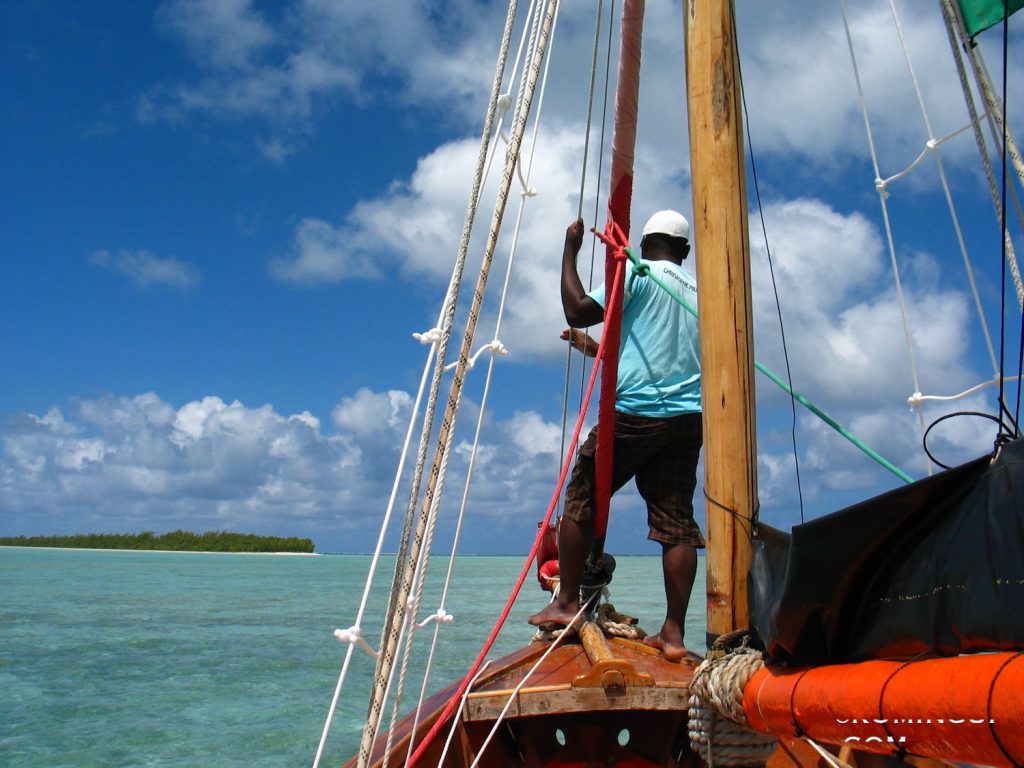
457	696
604	461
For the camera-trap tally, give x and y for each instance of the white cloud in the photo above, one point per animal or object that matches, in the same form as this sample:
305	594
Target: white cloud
277	68
370	413
128	463
226	34
211	463
321	253
144	269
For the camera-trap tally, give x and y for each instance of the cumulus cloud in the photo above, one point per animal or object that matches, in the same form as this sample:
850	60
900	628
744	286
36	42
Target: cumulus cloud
848	353
134	462
798	71
144	269
208	462
321	253
370	413
279	67
224	34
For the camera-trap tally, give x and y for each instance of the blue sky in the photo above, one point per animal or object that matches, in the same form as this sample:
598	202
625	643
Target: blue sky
223	220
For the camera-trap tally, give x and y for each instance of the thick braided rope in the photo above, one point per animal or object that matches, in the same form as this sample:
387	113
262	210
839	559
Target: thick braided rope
445	434
392	630
721	742
717	724
721	677
956	33
423	535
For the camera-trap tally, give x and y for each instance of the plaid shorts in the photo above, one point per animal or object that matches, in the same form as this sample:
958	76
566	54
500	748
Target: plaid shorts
662	455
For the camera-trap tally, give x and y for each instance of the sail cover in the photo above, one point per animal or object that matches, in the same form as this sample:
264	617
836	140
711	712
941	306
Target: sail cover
979	15
934	567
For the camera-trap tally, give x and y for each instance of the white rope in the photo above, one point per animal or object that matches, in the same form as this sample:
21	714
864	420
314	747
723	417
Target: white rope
831	759
495	347
933	146
885	217
718	727
457	716
441	617
917	397
355	635
375	559
409	626
515	691
433	336
425	528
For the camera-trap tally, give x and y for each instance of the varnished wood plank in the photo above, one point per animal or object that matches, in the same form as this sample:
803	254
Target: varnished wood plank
724	299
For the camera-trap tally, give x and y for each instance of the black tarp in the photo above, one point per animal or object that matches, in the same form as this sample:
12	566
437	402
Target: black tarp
936	566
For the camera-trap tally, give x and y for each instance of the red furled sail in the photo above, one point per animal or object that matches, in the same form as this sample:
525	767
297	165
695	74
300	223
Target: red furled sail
623	147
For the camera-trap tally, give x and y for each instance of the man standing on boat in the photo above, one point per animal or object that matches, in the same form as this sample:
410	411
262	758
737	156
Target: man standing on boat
658	430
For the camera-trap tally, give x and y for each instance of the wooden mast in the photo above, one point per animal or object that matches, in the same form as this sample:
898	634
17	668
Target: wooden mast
726	326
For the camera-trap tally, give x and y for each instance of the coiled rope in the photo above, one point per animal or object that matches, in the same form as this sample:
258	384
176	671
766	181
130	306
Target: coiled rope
718	726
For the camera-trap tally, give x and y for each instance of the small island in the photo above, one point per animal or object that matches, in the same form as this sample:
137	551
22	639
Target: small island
175	541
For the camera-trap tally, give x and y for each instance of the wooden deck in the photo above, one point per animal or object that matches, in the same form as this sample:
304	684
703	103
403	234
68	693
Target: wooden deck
594	701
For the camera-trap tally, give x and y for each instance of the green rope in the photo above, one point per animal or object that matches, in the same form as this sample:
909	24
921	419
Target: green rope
641	270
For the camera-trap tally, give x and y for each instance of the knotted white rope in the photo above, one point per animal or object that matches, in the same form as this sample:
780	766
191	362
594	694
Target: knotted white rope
933	147
885	217
441	617
495	347
354	635
918	397
433	336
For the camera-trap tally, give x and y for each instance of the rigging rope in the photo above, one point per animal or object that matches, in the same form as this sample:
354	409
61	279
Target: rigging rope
583	182
419	553
954	32
638	269
496	348
933	146
885	215
597	207
515	691
1008	150
440	350
488	644
775	287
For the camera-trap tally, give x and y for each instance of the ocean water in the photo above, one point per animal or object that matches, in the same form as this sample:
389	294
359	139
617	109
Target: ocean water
174	659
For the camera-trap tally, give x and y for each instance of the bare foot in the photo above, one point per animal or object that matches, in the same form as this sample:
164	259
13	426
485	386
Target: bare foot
552	617
672	651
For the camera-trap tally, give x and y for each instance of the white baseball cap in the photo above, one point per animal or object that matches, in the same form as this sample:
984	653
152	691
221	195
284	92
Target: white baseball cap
668	223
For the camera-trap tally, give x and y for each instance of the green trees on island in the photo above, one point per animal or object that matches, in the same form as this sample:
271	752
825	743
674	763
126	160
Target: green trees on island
178	541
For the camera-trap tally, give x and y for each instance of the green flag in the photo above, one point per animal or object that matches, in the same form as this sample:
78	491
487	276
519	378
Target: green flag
979	15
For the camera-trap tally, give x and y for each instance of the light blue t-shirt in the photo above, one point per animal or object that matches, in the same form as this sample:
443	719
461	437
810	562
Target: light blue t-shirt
659	355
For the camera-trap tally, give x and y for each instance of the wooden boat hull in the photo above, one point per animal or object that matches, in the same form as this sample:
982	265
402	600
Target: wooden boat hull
598	702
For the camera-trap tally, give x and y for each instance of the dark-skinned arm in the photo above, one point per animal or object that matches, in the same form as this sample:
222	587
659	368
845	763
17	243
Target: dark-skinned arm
580	310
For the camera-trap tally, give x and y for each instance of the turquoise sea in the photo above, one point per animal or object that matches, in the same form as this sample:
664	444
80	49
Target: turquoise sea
207	660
